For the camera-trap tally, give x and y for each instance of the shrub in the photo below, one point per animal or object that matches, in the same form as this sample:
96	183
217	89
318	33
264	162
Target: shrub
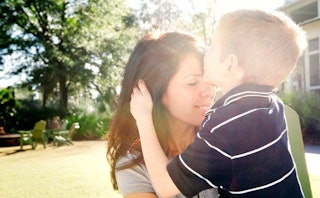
22	114
9	108
92	126
308	108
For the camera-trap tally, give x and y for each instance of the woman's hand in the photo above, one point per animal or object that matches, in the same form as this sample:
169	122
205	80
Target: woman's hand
141	102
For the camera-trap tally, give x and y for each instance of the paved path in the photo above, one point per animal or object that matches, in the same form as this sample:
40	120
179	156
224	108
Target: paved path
312	149
312	154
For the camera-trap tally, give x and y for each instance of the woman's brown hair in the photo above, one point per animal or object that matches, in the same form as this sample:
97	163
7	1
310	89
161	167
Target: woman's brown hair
155	59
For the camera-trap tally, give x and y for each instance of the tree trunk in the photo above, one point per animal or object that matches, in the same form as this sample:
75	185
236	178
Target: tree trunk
44	98
63	93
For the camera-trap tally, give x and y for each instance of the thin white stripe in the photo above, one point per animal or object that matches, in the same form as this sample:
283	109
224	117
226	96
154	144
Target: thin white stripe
246	153
261	148
236	97
215	148
245	96
207	119
264	186
243	93
234	118
196	173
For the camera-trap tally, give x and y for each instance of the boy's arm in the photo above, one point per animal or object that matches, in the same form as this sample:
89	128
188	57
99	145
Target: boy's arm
155	159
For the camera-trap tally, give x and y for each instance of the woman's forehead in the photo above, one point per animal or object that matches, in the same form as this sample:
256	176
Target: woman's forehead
190	65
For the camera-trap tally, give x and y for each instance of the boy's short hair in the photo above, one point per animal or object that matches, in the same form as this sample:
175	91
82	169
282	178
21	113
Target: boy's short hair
268	44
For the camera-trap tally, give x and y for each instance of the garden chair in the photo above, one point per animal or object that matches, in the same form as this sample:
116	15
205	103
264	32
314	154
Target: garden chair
63	127
65	137
34	136
297	149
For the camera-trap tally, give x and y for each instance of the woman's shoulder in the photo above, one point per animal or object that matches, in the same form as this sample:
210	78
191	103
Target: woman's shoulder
209	193
127	158
136	169
133	179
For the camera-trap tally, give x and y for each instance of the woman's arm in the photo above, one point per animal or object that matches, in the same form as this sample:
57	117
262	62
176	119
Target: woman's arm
155	159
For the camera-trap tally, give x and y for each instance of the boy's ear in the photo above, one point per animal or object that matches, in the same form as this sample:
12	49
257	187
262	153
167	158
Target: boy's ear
233	61
235	68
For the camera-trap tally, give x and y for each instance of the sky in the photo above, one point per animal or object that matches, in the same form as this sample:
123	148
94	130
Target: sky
222	7
228	5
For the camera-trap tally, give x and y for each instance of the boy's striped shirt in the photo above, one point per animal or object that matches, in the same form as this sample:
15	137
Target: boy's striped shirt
242	148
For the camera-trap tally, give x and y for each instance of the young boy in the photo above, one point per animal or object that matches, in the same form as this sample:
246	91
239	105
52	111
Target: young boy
242	146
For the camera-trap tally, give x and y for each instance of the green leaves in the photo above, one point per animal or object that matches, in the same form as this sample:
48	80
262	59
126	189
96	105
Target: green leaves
68	48
63	38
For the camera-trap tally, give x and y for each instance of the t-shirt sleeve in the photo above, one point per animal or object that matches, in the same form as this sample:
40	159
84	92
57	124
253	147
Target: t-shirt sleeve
134	179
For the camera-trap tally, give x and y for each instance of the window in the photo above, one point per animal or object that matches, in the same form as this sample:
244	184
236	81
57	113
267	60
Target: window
314	62
305	13
299	77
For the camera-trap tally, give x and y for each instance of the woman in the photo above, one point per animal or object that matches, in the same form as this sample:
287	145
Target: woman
171	66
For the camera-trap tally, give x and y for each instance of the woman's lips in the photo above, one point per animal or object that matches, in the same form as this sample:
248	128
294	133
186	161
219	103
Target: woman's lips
203	108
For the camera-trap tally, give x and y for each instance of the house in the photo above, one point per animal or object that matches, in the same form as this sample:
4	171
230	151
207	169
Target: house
306	76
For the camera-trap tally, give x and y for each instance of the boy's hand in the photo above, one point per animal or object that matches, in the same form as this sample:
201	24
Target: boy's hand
141	102
156	160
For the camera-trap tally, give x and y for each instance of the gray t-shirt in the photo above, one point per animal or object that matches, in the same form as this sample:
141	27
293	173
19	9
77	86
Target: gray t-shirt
136	180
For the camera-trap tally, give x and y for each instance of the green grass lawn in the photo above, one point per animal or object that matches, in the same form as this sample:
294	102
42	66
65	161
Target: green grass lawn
80	170
75	171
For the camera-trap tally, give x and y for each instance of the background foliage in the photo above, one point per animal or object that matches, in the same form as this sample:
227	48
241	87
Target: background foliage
308	108
72	53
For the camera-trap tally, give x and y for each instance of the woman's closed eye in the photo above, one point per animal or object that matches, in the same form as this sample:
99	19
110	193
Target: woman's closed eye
193	83
193	80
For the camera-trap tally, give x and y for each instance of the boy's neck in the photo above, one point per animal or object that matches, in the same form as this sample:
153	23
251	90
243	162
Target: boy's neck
226	89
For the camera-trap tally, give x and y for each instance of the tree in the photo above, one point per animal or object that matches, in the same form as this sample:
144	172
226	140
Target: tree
157	15
166	15
59	42
203	20
110	46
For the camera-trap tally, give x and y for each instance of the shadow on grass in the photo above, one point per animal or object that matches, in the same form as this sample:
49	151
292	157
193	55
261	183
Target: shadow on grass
11	152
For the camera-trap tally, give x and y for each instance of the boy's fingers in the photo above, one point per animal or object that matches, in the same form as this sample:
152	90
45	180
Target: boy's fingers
135	91
142	86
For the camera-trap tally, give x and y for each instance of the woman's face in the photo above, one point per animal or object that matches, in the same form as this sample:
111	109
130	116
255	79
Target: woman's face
188	97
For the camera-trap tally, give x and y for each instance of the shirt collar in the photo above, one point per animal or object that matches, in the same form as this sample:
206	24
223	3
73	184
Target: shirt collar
244	91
